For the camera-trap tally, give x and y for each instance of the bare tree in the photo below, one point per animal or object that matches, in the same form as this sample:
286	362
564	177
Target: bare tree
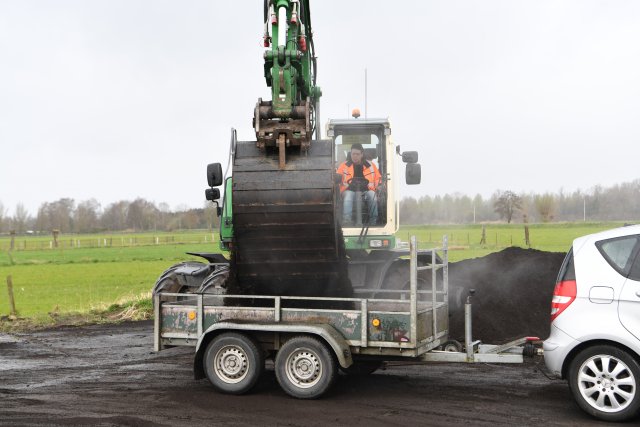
142	215
114	216
164	214
545	205
56	215
86	216
506	204
3	212
20	218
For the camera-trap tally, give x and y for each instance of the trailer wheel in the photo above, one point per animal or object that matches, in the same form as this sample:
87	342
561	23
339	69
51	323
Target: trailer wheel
305	367
452	346
604	381
233	363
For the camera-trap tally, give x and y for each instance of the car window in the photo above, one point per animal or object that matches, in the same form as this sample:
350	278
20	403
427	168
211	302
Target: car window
567	270
634	273
619	252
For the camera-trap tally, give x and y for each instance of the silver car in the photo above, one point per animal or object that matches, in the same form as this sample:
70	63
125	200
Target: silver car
595	323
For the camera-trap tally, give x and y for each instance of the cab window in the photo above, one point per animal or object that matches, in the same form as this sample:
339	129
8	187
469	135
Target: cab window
372	139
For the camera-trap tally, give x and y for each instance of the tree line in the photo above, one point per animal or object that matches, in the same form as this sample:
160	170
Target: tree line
616	203
88	216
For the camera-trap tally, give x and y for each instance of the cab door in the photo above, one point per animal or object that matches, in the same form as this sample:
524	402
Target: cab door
629	304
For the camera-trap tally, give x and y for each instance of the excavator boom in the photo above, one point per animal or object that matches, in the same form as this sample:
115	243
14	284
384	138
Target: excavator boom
290	118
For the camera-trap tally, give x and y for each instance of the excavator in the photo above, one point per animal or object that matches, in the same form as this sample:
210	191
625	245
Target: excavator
281	215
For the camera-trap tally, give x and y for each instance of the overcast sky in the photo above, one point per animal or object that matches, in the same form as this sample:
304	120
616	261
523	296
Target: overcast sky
116	99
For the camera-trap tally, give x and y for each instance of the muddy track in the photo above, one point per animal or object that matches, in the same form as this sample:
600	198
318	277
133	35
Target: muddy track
108	375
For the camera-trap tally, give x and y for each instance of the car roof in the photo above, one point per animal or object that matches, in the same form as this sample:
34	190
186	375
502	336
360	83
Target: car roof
607	234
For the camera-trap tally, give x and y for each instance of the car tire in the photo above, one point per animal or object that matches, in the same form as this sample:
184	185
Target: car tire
233	363
604	381
305	367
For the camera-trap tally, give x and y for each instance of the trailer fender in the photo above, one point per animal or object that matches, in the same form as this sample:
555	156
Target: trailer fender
328	333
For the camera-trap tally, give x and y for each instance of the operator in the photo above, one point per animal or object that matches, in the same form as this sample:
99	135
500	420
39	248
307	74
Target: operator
359	175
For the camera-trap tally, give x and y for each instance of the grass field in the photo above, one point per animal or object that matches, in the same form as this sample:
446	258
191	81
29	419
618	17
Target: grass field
71	278
464	240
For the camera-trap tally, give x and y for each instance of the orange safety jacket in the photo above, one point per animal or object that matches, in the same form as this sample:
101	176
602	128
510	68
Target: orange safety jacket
369	170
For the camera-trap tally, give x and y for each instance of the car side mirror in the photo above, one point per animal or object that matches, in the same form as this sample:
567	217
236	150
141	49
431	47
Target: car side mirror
214	174
212	194
413	173
410	157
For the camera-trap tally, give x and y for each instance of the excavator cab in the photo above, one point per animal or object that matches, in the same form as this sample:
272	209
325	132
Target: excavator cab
361	229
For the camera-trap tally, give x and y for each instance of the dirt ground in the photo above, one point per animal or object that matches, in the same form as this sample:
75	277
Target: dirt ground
106	375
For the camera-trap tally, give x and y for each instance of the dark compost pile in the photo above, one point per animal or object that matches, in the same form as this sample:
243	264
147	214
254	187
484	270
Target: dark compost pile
513	294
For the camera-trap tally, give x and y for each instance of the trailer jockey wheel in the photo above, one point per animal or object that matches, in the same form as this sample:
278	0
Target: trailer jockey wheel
452	346
233	363
305	367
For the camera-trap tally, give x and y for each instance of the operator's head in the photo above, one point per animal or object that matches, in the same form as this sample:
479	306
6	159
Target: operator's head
357	153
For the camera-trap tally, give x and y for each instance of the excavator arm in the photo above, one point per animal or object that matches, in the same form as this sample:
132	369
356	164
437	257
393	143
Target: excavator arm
289	119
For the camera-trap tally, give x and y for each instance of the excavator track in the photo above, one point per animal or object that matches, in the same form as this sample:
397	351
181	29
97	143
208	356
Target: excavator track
287	240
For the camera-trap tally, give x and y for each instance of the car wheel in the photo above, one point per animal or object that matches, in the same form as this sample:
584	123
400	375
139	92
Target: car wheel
604	382
305	367
233	363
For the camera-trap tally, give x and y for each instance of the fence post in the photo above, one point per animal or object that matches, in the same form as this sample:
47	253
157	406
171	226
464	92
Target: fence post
55	234
12	302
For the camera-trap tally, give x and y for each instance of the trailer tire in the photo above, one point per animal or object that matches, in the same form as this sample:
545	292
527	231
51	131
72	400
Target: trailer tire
305	367
609	392
233	363
452	346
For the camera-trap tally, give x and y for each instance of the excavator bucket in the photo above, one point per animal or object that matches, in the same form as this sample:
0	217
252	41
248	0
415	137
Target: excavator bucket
287	240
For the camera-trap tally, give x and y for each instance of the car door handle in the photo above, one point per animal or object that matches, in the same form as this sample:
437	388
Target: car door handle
638	294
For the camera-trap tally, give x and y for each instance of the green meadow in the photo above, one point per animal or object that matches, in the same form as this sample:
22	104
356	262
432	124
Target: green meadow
102	270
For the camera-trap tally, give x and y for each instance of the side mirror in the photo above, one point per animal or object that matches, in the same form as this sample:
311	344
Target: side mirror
410	157
413	174
214	174
212	194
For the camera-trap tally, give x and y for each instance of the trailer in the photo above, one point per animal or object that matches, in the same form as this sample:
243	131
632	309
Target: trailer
310	339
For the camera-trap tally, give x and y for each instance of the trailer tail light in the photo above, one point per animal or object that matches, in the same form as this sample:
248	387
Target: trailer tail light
563	295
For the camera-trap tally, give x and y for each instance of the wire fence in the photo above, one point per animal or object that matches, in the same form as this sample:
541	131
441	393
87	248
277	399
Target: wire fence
71	242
